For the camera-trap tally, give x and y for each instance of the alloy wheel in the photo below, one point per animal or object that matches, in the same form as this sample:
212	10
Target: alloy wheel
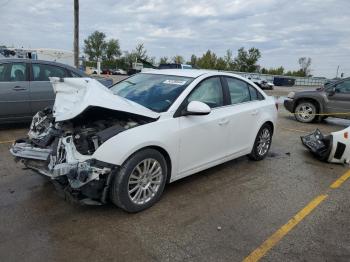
305	112
144	181
264	141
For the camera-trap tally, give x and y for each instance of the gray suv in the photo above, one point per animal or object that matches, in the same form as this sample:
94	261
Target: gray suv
25	87
331	100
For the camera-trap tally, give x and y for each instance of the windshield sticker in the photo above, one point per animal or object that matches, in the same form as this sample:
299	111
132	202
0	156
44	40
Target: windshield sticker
175	82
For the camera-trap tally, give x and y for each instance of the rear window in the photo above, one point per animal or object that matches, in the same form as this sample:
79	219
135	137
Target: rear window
42	72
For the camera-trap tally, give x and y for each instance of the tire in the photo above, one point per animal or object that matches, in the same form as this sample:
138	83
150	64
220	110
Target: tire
131	190
262	143
305	112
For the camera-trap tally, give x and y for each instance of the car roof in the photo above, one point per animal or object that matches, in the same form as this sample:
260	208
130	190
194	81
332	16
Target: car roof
179	72
33	61
194	73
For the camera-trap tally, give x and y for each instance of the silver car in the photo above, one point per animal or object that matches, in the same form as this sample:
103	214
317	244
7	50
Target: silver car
25	87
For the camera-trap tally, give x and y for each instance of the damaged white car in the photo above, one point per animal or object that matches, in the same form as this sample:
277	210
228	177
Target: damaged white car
125	143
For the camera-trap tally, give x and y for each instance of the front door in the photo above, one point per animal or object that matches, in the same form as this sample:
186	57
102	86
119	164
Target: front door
203	138
14	91
339	102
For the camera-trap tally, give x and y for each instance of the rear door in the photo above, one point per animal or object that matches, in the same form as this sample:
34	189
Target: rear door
14	91
41	91
339	102
245	111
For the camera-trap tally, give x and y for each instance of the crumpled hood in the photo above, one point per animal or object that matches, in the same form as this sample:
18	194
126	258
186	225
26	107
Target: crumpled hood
74	95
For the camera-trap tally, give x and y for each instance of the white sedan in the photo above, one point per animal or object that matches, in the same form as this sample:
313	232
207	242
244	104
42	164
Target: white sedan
125	143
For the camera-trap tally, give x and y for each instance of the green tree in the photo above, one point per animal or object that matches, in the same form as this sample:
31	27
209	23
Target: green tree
246	61
95	45
178	59
273	71
207	61
193	61
221	64
164	60
229	60
113	49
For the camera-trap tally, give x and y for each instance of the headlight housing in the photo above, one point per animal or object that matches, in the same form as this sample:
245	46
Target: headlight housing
291	95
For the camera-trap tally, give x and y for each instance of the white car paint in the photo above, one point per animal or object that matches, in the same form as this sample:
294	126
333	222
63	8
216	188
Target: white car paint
342	136
74	95
194	143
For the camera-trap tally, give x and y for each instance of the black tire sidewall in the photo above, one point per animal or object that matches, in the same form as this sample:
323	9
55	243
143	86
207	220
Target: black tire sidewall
254	155
119	190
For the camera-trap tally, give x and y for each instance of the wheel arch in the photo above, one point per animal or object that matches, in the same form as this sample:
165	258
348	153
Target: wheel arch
269	123
319	108
164	153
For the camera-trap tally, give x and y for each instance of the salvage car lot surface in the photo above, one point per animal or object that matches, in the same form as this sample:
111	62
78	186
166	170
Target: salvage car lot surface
221	214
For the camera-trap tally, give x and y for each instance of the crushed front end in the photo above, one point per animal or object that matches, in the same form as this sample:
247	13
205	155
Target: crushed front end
63	151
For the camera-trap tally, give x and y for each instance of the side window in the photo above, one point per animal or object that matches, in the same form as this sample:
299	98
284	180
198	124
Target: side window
2	72
74	74
343	87
255	94
238	89
208	91
13	72
42	72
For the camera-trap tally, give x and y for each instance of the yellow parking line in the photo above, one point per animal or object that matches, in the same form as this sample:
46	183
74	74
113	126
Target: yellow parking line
280	233
337	183
7	142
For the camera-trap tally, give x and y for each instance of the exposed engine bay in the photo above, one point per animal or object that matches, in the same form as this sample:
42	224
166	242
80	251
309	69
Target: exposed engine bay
62	150
333	148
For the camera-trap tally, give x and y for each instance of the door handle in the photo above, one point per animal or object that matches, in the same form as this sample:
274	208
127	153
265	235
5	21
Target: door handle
19	88
255	112
223	122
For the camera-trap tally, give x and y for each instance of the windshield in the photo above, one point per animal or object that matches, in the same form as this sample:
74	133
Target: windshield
156	92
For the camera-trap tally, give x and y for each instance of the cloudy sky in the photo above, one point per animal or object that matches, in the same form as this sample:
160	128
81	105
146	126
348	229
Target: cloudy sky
283	30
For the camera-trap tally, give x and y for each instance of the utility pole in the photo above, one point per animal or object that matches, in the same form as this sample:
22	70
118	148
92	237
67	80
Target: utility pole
76	33
337	72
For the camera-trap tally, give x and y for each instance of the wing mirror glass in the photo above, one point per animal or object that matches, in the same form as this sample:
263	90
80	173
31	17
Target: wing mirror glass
197	108
331	91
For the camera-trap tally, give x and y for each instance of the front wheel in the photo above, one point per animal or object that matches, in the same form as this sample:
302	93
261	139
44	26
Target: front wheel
140	181
305	112
262	143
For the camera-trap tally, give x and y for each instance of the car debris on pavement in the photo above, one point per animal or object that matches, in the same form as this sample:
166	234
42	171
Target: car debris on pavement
334	148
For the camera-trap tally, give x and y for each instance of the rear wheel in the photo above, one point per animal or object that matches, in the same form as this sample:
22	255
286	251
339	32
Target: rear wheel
305	112
262	143
140	181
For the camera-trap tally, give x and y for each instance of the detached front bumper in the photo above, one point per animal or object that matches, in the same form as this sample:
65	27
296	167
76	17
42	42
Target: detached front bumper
81	176
334	148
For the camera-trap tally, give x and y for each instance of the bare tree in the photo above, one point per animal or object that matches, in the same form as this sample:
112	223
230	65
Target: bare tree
305	64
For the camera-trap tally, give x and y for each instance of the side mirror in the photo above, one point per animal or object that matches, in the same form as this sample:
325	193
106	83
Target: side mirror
332	91
197	108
